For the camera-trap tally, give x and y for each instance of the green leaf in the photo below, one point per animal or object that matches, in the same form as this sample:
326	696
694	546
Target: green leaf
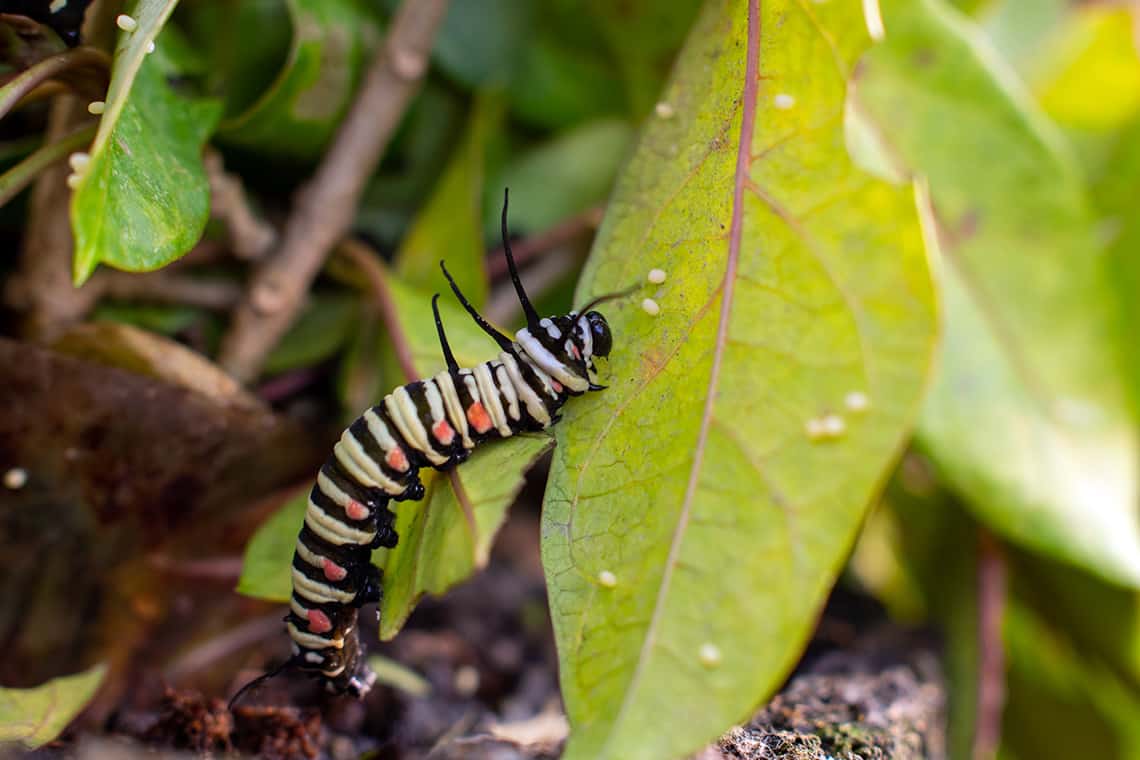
450	226
36	716
1022	30
245	46
692	528
560	81
1093	80
360	379
143	199
439	545
298	114
268	556
391	673
1101	619
1029	417
480	41
1115	191
1061	702
319	332
165	320
560	178
448	535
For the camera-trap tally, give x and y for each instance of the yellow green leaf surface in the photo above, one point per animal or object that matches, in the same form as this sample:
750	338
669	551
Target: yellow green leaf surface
143	199
34	717
700	508
1030	416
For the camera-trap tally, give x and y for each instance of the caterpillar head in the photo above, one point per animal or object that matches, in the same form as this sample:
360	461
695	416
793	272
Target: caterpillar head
595	335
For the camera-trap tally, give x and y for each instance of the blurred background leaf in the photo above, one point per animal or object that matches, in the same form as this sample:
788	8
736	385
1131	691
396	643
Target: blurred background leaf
33	717
1030	416
449	227
298	113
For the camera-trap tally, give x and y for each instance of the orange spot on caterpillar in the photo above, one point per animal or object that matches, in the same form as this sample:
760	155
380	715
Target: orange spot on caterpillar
333	571
575	352
443	432
319	622
557	386
397	459
355	510
478	418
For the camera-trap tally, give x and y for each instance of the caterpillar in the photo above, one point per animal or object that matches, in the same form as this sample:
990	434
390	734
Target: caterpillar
435	422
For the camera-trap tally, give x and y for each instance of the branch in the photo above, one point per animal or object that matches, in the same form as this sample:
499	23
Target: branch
325	206
21	175
44	283
991	655
71	62
163	287
53	302
366	261
250	235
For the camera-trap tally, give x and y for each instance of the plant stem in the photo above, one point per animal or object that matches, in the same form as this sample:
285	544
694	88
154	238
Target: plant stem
35	75
21	175
992	590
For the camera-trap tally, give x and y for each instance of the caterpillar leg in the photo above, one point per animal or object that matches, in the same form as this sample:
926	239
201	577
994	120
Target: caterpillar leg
386	536
414	492
372	589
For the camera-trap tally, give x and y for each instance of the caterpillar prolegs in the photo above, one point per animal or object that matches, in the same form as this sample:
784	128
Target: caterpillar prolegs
435	422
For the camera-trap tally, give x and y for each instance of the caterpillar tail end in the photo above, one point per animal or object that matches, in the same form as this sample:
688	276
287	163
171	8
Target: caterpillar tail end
361	683
357	685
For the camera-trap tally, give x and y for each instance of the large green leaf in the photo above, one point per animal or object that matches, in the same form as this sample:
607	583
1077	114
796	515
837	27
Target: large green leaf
1029	417
298	114
692	525
143	199
34	717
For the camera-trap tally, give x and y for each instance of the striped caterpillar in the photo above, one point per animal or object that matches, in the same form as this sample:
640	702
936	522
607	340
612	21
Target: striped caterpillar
435	422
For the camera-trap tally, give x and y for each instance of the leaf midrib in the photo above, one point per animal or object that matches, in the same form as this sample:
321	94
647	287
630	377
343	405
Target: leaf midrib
743	160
